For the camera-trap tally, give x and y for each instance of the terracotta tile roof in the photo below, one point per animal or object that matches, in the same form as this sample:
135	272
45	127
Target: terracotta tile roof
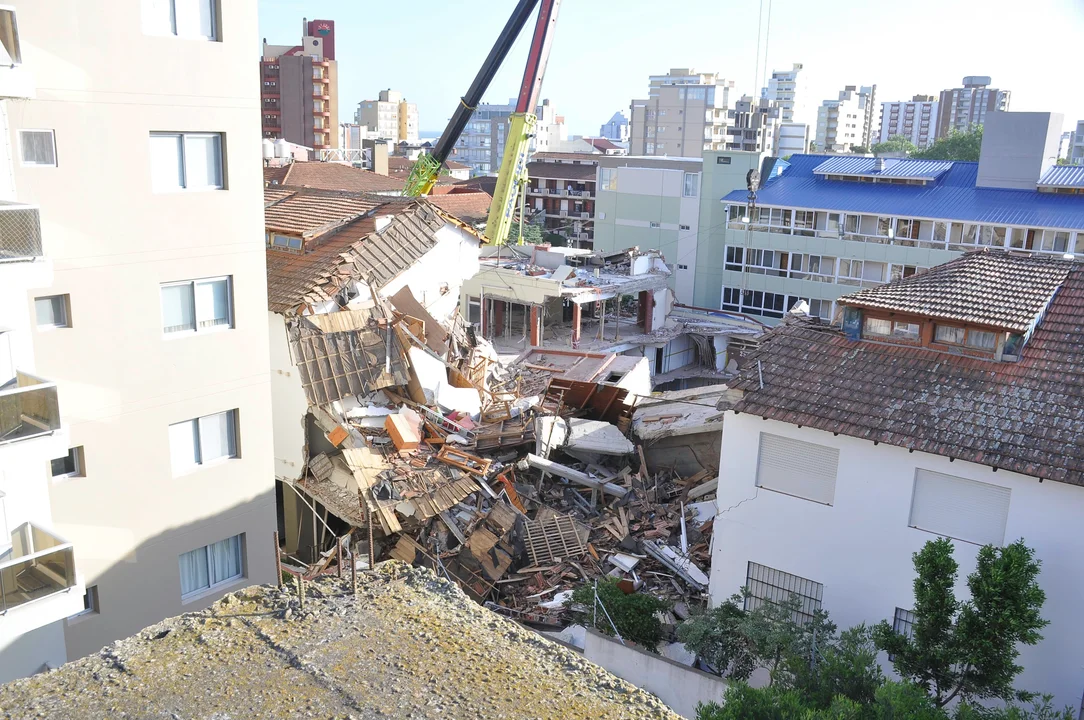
987	287
484	183
310	212
336	176
561	171
453	165
355	252
602	144
399	165
472	207
275	175
1027	416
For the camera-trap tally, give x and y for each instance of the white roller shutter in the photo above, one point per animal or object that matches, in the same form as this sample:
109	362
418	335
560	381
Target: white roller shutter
798	468
959	508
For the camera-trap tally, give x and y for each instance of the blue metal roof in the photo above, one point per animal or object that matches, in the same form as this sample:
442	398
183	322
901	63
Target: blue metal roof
1071	176
893	167
953	196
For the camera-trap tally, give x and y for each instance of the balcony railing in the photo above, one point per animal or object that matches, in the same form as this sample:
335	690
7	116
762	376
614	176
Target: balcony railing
20	232
37	564
28	408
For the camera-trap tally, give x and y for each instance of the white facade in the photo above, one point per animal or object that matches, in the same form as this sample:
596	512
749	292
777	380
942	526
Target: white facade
846	122
791	138
859	542
389	117
914	119
1076	152
783	88
156	197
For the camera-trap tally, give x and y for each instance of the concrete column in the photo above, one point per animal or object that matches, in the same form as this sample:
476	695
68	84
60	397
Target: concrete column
576	310
643	312
498	318
647	307
536	327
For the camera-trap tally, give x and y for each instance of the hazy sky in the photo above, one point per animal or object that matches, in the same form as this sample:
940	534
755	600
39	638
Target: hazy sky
603	52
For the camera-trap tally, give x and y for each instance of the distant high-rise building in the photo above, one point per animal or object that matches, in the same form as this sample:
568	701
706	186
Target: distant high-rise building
754	125
481	145
844	123
914	119
616	129
390	117
965	108
684	114
300	91
784	90
1076	147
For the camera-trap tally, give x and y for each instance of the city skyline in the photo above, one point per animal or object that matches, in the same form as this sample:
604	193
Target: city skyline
592	44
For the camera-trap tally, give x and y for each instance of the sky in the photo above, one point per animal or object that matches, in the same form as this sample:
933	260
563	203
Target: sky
604	52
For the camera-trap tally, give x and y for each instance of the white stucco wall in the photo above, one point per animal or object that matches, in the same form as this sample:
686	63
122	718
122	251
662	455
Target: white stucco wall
452	261
860	547
288	404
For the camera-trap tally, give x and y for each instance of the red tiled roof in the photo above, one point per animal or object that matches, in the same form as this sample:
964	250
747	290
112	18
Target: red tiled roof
336	176
484	183
275	175
310	212
356	252
602	144
988	287
1025	416
453	165
470	207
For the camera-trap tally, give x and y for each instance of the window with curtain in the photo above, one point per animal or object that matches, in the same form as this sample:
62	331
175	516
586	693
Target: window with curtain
197	305
211	565
193	19
692	185
186	161
202	440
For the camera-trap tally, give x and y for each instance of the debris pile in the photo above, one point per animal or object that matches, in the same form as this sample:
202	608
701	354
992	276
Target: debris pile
518	482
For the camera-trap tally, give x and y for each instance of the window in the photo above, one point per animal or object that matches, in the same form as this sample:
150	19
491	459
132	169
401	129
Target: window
850	269
798	468
981	339
197	305
905	331
733	258
71	465
1055	241
609	179
181	18
876	327
202	441
959	508
288	243
949	334
11	54
186	161
53	311
767	584
903	623
211	565
692	185
91	605
38	147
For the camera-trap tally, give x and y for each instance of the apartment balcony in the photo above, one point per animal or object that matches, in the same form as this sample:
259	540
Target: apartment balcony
20	232
538	191
38	581
320	94
321	63
28	408
585	215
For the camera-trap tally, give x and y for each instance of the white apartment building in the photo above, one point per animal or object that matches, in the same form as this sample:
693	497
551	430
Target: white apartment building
389	117
1076	147
914	119
847	121
684	114
783	89
936	411
146	180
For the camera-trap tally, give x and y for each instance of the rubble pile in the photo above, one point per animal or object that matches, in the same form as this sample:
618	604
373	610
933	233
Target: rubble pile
515	482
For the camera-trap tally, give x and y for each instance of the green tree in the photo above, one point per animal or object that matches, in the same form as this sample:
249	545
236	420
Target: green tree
634	614
895	144
954	146
532	233
717	637
859	150
827	668
968	650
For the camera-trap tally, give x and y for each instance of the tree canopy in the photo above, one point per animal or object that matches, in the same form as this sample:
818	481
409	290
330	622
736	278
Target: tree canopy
895	144
954	146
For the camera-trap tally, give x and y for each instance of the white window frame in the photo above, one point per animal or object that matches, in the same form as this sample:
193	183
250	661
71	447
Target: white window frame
52	137
214	585
195	309
174	31
182	136
198	461
695	178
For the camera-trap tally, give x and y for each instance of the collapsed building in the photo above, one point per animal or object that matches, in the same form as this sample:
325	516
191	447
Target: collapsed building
402	432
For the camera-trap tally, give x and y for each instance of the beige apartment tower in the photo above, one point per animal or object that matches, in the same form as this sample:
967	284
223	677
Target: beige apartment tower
684	114
144	167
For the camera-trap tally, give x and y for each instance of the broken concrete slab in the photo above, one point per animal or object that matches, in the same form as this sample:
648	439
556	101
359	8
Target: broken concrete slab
580	434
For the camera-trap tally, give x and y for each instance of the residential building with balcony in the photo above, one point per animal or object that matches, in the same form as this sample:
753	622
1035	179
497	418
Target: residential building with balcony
1076	146
784	89
481	145
914	119
299	96
150	338
684	114
963	109
561	187
847	121
754	125
652	203
827	225
390	117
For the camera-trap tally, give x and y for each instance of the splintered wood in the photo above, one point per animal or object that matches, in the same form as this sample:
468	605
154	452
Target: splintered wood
554	537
